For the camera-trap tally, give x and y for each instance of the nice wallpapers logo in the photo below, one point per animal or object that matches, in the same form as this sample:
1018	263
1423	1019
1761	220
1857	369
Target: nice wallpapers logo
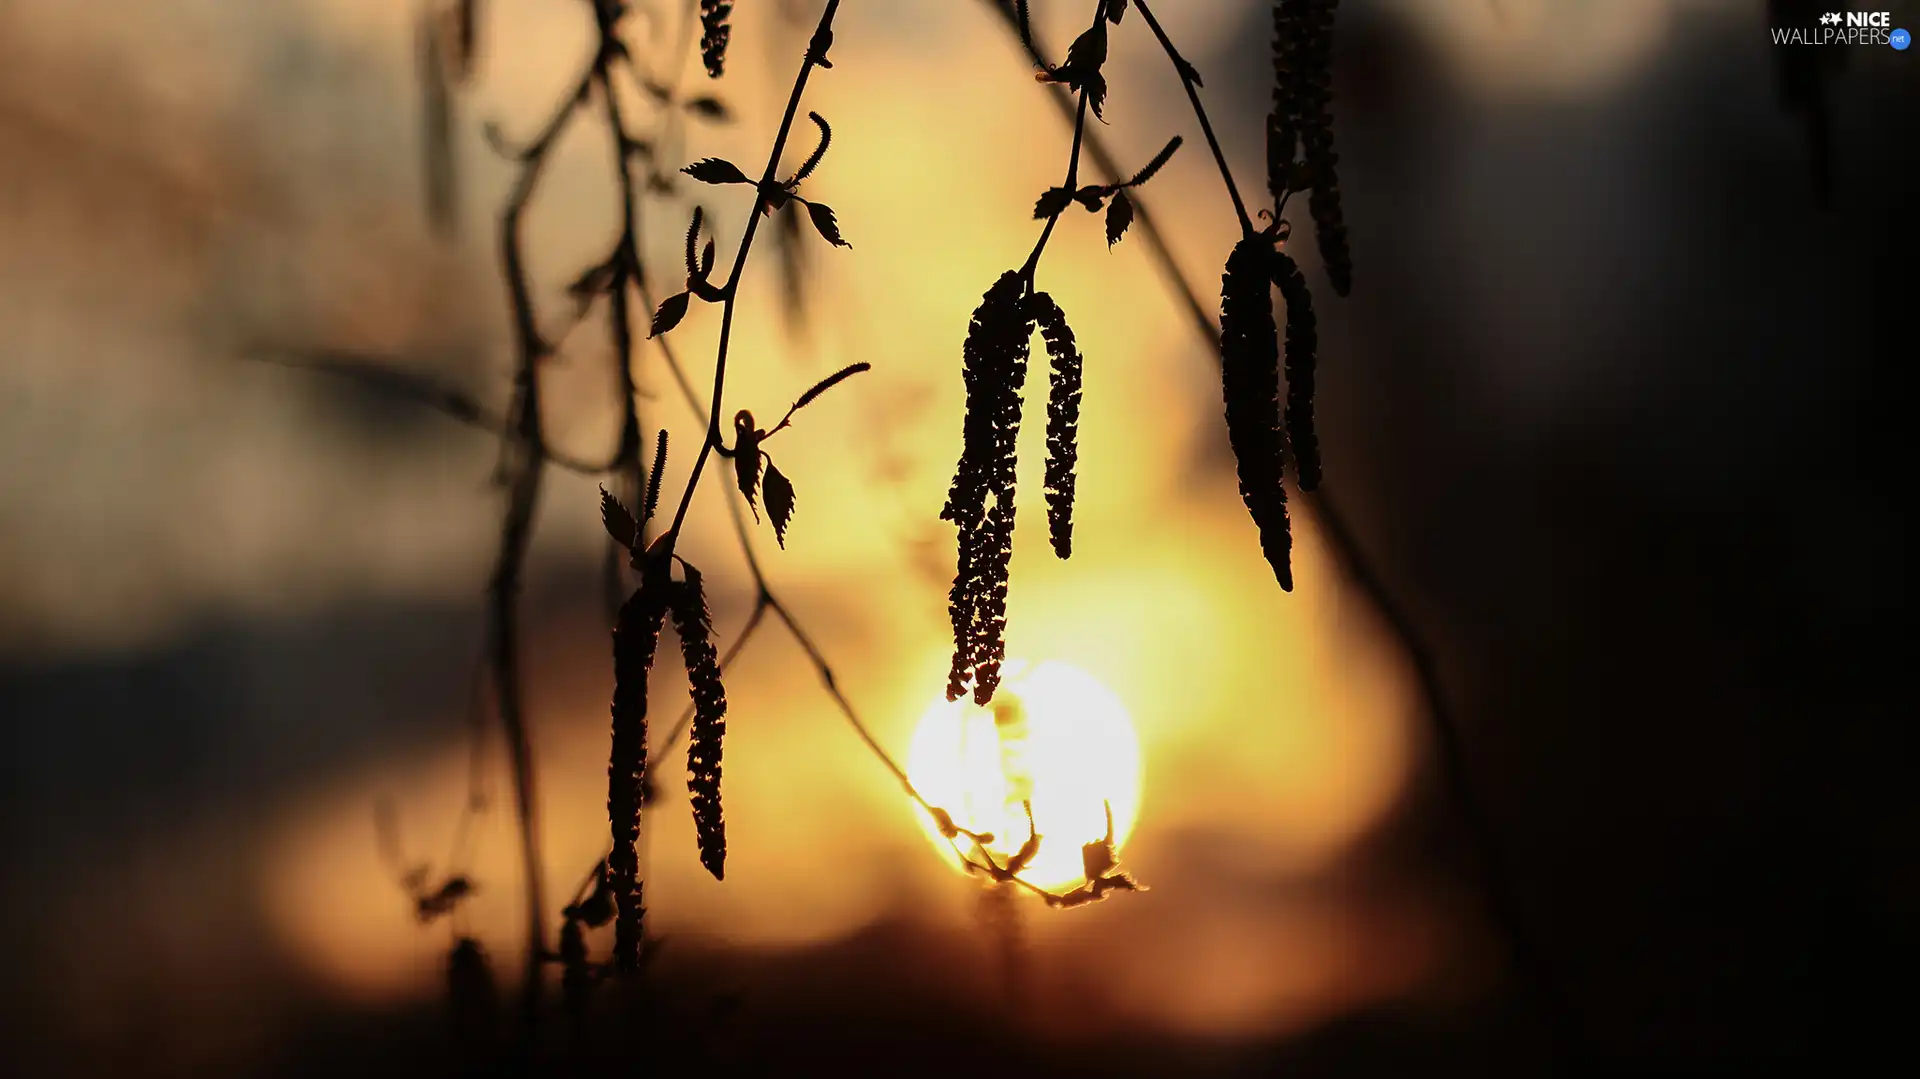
1846	28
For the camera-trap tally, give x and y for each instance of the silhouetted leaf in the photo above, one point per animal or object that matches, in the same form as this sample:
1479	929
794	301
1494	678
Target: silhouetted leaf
746	458
1115	9
619	522
779	502
1119	216
1086	55
715	170
823	222
672	310
1091	196
1081	71
1052	202
1096	86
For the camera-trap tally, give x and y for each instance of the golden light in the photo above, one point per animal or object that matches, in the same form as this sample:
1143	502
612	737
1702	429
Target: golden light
1053	737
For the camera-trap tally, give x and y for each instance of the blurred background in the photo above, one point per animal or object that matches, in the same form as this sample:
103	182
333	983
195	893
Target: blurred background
1613	409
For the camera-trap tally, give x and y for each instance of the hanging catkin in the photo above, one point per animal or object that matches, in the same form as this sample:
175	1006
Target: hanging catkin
694	624
1283	131
636	639
715	31
995	370
1250	382
1303	343
1063	418
1314	77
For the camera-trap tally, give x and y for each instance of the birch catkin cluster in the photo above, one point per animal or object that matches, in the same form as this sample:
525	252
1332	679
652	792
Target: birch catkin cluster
980	500
1300	154
1263	427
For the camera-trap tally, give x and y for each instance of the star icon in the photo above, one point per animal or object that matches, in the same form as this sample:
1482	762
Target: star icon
1831	18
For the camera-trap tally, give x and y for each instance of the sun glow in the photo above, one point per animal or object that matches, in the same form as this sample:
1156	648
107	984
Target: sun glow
1054	737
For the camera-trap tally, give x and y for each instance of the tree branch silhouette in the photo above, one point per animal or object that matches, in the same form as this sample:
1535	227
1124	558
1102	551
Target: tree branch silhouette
1491	865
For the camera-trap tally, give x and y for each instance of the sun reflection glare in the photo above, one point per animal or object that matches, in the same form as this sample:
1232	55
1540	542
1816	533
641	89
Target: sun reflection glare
1053	737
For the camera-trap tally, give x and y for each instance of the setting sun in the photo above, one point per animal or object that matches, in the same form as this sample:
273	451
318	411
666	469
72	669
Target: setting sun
1054	737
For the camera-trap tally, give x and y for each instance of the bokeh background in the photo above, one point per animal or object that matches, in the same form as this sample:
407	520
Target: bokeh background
1613	406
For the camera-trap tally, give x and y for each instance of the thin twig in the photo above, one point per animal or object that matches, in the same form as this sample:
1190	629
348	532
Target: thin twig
1032	264
1189	80
387	375
1096	147
524	459
816	53
626	258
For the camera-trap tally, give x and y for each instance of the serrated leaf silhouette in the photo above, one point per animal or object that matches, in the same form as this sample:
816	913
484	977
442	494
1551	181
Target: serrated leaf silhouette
779	495
1052	202
746	458
672	310
1119	216
824	223
716	170
619	521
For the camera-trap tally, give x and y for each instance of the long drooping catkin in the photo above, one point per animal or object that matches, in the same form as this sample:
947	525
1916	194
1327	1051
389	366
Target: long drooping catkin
1314	79
715	32
1250	382
636	639
995	370
989	644
1283	130
1063	418
985	358
694	624
1303	343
